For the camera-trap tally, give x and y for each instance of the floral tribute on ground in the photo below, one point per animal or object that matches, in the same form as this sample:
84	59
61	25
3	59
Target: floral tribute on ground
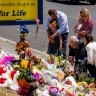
31	75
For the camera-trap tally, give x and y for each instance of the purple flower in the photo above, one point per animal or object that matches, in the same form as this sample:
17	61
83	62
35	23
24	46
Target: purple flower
36	75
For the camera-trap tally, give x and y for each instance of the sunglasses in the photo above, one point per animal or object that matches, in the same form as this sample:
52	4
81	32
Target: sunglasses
81	12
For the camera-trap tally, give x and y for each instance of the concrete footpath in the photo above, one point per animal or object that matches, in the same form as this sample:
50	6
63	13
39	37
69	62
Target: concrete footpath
9	47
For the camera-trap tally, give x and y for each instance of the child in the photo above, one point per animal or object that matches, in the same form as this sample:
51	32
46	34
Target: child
55	46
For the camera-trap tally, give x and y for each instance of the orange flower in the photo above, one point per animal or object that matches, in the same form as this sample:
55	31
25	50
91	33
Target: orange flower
23	83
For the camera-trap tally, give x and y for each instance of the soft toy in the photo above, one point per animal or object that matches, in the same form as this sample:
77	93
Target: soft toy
5	80
4	72
4	69
70	80
23	29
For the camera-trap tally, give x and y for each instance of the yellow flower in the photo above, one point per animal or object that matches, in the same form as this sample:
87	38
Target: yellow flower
60	75
82	83
57	63
79	83
24	63
16	66
47	57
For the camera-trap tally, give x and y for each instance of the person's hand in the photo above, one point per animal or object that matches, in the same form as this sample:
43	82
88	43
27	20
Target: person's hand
54	35
71	59
82	32
50	39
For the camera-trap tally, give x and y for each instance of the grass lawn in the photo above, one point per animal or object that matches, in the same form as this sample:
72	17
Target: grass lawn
7	92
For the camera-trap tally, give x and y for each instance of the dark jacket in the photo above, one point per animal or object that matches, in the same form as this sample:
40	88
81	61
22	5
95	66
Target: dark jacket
79	53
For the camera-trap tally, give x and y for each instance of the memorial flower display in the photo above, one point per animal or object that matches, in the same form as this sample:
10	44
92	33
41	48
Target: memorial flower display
37	76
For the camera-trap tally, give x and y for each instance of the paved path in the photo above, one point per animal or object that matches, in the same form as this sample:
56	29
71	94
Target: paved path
9	47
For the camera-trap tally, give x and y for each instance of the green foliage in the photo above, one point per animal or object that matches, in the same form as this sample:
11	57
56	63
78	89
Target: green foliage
80	95
82	76
25	74
89	80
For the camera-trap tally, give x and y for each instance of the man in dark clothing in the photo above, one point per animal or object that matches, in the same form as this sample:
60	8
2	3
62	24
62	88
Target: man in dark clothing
77	53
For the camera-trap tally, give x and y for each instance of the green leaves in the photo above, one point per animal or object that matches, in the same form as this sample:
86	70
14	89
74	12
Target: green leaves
89	80
25	74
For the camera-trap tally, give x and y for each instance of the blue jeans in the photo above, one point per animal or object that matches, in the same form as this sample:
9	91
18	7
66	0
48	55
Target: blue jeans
64	44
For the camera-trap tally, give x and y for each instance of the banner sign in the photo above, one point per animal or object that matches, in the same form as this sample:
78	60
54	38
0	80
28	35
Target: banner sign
17	12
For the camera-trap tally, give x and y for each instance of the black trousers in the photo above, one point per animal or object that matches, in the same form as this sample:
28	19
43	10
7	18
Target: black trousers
53	48
92	70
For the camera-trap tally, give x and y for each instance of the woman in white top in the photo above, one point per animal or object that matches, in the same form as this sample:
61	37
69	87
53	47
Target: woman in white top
91	54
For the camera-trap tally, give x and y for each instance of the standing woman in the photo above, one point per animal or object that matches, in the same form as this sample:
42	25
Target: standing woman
91	54
85	23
